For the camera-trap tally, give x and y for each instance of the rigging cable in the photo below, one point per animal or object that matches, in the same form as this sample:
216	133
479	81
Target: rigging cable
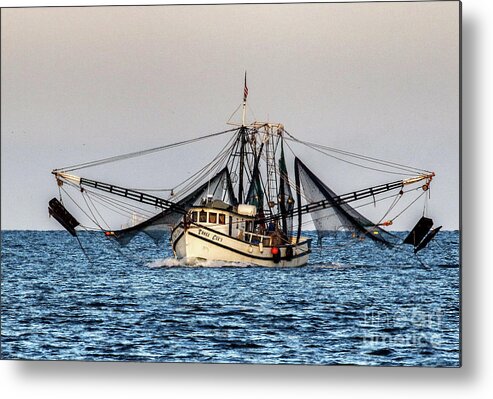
90	210
118	204
78	206
394	165
139	153
97	211
122	205
83	249
356	164
406	208
398	196
204	171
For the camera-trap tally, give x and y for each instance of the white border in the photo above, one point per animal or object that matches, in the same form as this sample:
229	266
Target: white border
474	379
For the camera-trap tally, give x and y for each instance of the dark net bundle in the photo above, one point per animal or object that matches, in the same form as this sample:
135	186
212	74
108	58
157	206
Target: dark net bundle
286	200
338	216
156	227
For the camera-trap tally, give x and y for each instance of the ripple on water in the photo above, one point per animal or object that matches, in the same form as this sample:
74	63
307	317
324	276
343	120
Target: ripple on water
352	304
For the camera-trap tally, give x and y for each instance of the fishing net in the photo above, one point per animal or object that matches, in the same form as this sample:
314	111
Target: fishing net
219	187
338	215
286	200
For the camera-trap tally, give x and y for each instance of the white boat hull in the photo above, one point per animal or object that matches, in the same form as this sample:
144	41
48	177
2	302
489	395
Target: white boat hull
200	243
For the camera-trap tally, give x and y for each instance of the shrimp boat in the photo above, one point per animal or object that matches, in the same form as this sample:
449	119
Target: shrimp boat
244	207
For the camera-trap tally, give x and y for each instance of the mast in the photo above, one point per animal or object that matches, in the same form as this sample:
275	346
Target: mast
242	164
270	155
242	143
283	201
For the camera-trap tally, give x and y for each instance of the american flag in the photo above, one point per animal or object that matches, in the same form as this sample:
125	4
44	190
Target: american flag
245	90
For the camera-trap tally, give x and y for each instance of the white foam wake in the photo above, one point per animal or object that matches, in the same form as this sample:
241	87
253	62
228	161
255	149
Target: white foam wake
194	262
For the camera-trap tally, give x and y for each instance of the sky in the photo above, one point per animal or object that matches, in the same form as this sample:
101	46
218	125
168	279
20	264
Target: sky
78	84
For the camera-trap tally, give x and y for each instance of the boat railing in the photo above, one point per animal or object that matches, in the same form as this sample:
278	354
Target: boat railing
254	238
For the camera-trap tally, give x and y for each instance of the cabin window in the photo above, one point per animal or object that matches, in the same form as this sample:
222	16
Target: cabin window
248	226
222	218
212	217
203	216
194	216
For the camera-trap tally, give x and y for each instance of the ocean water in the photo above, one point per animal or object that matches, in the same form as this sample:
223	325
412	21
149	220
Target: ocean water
353	304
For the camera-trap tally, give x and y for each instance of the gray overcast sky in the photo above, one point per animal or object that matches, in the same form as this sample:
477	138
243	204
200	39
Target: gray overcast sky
85	83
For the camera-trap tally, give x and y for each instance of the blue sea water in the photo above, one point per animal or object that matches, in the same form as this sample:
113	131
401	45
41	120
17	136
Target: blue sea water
353	304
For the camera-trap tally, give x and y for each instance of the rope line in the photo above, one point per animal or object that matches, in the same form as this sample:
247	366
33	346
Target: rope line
139	153
360	156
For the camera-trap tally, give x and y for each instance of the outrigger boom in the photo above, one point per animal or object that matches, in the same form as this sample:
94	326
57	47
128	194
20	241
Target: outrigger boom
149	199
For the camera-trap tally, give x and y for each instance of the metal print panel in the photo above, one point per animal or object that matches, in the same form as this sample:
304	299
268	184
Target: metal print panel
263	184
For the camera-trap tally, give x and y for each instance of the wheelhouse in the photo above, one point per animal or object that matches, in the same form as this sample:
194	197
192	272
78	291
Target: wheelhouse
237	222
